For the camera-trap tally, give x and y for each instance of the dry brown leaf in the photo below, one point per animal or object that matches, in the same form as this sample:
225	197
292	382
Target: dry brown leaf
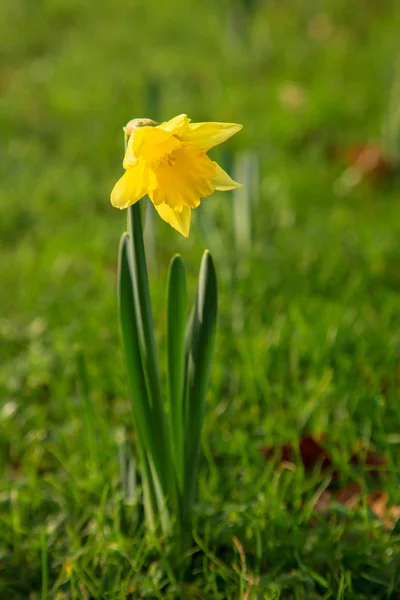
311	452
366	162
378	504
370	459
349	495
323	502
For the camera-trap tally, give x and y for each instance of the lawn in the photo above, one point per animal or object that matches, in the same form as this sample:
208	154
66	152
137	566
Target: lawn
308	264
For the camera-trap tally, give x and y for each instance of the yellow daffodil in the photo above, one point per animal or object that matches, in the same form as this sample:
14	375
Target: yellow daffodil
169	162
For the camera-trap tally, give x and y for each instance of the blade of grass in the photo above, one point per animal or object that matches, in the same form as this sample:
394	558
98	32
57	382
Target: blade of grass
44	564
88	410
244	199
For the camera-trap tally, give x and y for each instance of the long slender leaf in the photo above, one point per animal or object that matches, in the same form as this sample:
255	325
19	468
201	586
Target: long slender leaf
176	326
145	330
141	409
200	351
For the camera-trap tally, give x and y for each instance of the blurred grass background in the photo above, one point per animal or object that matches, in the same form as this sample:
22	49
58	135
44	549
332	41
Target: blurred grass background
309	303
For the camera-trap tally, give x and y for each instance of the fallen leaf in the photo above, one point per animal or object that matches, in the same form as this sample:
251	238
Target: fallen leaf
323	502
349	495
369	159
378	504
394	514
311	453
283	453
365	162
370	459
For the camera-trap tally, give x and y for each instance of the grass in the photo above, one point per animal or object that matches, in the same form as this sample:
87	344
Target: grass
309	329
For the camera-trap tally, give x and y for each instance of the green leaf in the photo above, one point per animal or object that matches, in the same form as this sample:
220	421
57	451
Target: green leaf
141	409
199	355
176	326
147	344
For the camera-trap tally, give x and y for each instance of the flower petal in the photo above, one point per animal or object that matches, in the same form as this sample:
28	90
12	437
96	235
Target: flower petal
208	135
175	125
178	220
223	182
131	130
133	185
130	160
184	179
153	144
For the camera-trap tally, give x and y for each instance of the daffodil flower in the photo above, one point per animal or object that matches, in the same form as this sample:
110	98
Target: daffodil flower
169	163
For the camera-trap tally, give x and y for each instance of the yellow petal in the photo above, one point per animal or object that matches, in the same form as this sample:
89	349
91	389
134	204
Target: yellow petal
131	130
223	182
208	135
178	220
130	160
184	178
133	185
152	144
175	125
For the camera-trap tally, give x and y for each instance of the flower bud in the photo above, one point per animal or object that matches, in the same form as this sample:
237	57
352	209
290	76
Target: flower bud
134	123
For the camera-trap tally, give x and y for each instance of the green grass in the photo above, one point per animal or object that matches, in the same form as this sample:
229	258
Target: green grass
309	330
